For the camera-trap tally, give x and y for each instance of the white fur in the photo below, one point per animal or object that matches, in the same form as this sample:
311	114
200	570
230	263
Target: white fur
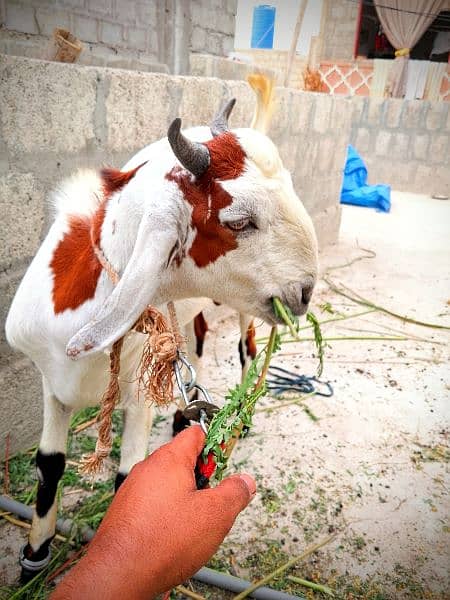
79	194
143	223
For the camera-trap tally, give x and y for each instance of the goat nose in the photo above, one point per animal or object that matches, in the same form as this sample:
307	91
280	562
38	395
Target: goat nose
307	291
298	294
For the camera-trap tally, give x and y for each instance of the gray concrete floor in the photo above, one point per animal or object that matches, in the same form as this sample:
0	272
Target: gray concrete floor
373	465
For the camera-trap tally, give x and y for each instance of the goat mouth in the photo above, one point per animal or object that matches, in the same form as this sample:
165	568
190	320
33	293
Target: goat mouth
269	315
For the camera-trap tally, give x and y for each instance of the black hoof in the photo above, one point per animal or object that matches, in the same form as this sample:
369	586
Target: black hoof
179	423
244	432
120	478
31	568
26	576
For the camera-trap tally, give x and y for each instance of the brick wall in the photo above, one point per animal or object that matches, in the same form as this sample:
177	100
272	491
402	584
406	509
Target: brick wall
339	29
153	35
351	78
206	65
276	61
213	25
405	143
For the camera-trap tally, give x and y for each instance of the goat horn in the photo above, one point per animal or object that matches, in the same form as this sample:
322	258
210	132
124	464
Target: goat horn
193	156
220	122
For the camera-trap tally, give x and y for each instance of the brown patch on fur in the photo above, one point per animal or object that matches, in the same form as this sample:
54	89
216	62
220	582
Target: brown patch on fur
114	180
75	267
207	197
250	343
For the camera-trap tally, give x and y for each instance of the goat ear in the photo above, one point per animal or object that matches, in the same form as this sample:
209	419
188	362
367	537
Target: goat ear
135	290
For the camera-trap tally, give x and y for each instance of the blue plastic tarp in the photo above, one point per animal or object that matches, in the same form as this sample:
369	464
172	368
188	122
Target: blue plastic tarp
355	189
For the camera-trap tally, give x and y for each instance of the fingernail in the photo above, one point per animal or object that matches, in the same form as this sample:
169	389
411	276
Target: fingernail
249	482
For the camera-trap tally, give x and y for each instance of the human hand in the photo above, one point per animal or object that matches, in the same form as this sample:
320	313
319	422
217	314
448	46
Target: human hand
159	529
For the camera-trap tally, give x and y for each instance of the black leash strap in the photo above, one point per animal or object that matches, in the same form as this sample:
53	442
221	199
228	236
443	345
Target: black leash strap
281	380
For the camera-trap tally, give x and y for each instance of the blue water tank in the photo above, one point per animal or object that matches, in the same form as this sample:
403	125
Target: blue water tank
263	26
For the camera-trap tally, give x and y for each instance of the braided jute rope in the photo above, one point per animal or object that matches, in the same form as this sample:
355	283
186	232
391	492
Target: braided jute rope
154	373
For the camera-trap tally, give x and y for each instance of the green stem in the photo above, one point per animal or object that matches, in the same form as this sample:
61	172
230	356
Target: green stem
341	318
351	338
309	584
32	494
270	349
290	563
351	295
288	403
258	391
281	311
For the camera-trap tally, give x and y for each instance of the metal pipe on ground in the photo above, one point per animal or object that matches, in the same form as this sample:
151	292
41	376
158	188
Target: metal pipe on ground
234	584
63	526
205	575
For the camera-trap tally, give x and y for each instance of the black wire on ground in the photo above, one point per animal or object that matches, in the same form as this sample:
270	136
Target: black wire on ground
281	380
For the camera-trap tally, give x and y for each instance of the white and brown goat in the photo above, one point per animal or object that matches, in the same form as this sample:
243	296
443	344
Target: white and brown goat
211	213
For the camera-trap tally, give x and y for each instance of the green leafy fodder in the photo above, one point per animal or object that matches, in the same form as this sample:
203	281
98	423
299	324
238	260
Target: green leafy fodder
236	414
284	312
240	402
291	321
320	344
239	407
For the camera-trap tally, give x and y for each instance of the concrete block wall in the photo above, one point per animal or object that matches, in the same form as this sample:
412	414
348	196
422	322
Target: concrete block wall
148	35
213	25
55	118
276	61
405	143
339	22
206	65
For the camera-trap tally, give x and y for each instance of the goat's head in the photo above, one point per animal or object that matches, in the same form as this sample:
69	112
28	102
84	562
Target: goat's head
242	236
253	234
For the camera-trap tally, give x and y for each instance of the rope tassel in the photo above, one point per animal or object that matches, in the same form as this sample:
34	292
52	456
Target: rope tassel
154	372
92	463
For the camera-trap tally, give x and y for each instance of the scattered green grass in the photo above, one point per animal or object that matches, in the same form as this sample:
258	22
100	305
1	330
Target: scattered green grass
270	499
89	510
83	415
265	561
22	476
426	453
158	420
359	542
93	508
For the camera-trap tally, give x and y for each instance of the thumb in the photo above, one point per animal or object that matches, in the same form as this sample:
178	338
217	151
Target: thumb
234	493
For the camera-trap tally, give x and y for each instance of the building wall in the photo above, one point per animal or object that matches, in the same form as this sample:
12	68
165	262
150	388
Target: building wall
56	118
339	23
149	35
276	61
206	65
405	143
213	25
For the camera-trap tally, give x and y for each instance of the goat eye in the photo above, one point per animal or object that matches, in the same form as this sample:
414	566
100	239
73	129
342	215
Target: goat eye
239	225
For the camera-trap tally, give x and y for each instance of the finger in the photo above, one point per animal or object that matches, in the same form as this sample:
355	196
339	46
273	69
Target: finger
234	493
188	444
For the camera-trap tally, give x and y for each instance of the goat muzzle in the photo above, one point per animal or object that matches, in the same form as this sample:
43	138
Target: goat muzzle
297	295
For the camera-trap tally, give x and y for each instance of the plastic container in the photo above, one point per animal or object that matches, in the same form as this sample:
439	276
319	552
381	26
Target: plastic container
263	26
